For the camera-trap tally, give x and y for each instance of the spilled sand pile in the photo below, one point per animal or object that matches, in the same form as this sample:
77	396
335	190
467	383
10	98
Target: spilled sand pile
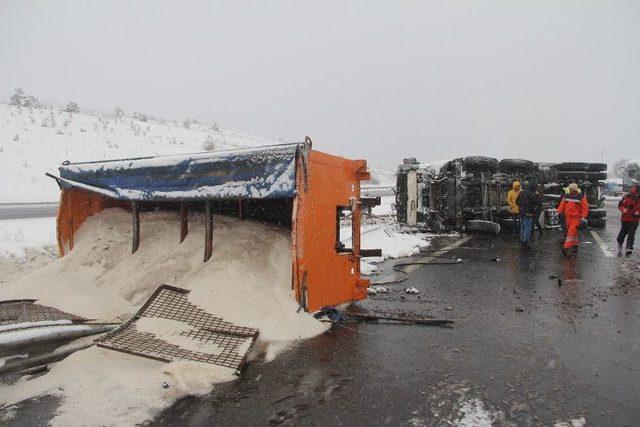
247	282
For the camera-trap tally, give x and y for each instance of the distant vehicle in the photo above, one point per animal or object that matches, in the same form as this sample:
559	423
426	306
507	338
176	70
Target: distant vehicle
469	193
613	187
630	174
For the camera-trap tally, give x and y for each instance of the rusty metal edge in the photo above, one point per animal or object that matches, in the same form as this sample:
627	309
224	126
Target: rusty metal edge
133	353
18	300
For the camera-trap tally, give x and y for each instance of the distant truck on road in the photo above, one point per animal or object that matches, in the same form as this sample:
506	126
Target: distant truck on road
469	193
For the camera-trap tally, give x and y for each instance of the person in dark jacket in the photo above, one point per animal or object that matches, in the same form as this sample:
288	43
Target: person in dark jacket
629	205
527	205
538	208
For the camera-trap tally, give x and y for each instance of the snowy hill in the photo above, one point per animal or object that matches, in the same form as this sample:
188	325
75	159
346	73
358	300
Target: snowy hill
381	177
36	140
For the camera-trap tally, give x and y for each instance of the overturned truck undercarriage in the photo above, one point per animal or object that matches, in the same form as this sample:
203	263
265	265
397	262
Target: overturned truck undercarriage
470	193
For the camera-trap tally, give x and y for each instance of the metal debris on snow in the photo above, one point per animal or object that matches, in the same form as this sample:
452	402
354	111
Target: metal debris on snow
171	303
26	310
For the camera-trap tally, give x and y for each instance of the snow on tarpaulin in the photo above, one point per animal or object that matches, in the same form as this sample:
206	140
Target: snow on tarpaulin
256	173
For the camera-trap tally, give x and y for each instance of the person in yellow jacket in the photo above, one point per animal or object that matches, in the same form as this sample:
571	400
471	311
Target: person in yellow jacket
512	201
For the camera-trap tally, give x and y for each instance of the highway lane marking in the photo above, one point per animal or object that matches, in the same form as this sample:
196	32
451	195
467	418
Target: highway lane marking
603	246
413	267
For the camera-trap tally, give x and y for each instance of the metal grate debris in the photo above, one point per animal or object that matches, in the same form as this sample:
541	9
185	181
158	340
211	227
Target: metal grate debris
171	303
20	311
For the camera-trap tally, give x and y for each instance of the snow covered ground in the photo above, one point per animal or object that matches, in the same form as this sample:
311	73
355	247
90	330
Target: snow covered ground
17	236
394	241
386	207
36	140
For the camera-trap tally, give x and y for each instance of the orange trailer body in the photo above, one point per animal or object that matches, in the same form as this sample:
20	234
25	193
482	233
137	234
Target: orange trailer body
321	274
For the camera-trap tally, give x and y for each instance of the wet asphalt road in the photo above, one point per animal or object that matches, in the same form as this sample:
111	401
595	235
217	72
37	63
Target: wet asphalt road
523	349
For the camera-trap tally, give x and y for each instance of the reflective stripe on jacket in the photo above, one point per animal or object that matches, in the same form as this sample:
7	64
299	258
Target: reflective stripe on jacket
574	206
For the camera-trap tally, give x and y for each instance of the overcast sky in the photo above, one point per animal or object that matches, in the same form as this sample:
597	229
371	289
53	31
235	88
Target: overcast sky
546	80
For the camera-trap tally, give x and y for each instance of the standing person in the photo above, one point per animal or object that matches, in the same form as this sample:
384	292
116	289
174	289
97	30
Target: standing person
527	206
629	205
539	199
575	208
514	210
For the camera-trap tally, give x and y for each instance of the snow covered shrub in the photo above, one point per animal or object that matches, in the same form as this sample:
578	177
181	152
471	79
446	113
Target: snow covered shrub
118	112
209	144
21	99
140	116
72	107
49	121
135	128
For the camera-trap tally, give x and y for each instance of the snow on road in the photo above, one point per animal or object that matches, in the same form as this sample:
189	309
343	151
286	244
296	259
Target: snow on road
394	241
17	236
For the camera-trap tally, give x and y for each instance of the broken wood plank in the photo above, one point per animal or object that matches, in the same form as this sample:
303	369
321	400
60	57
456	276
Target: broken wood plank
208	238
184	221
416	320
135	210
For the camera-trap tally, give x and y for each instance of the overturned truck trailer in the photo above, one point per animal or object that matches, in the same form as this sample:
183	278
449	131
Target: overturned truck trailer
290	185
469	193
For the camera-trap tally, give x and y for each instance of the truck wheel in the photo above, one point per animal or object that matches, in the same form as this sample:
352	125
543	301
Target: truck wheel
481	163
572	166
516	165
575	175
598	167
597	176
597	222
480	226
597	213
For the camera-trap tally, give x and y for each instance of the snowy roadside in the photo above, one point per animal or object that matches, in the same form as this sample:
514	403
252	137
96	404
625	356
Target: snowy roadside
391	238
25	244
17	236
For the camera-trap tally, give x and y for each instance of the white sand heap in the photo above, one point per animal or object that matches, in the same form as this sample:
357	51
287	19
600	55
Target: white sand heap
246	282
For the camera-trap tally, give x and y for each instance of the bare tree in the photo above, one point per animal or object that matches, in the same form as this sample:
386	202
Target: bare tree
618	166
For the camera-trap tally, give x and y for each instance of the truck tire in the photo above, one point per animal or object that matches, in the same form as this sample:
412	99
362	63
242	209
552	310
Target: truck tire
516	165
572	166
481	163
573	175
480	226
597	176
597	213
598	167
597	222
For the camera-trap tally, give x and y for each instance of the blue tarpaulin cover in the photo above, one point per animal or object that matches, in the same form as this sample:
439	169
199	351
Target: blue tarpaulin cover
258	173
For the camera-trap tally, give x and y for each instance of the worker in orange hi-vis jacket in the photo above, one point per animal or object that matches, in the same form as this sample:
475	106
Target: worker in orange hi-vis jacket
575	208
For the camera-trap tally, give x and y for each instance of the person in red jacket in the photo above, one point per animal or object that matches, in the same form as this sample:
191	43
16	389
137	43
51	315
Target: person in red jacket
630	208
575	208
